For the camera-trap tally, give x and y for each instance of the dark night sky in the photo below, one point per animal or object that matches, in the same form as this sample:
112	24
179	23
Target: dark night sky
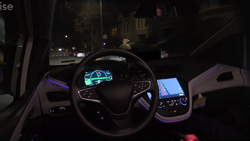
64	18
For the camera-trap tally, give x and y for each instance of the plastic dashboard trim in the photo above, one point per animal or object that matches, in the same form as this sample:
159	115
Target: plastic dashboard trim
192	88
191	83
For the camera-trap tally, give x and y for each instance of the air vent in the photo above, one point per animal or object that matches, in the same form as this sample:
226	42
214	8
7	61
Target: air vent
58	96
225	77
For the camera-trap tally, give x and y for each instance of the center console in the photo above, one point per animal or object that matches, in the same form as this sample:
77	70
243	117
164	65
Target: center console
174	99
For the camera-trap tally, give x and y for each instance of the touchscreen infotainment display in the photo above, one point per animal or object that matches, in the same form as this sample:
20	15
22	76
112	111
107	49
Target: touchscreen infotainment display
169	88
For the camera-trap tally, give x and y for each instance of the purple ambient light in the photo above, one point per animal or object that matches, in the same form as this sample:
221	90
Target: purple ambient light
160	118
206	74
59	84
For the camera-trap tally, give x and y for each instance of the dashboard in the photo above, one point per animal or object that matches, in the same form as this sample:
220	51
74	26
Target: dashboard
178	82
174	98
173	91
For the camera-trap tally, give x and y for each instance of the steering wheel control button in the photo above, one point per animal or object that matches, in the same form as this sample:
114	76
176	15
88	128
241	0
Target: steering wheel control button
139	87
145	85
60	110
87	94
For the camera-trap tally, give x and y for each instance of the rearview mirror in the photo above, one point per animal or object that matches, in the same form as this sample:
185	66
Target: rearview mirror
167	8
147	9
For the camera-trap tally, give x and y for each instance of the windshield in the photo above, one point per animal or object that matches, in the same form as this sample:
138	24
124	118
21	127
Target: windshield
172	28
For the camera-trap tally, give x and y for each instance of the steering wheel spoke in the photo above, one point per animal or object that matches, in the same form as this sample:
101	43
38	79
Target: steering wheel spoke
140	87
89	94
123	121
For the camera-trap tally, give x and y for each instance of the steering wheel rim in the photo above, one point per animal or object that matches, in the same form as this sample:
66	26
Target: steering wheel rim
74	89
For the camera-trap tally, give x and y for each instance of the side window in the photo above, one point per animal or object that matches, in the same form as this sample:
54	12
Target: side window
12	37
5	97
2	39
228	51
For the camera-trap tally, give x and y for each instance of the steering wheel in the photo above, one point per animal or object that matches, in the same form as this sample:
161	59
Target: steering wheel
117	97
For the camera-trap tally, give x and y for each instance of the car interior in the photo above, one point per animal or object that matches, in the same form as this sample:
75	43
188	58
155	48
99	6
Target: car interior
124	70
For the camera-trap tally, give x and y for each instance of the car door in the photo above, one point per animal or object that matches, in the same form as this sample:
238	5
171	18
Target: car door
23	43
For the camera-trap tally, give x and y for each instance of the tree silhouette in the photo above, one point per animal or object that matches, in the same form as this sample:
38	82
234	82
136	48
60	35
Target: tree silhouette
87	22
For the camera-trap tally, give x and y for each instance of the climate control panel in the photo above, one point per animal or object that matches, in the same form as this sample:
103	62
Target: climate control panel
173	106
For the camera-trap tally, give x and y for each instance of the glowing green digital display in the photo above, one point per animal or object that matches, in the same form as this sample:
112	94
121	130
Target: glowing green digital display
92	78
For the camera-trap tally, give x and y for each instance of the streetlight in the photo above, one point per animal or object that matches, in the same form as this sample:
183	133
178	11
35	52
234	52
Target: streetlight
68	40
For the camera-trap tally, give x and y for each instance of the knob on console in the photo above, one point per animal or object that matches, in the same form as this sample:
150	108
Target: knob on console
184	101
